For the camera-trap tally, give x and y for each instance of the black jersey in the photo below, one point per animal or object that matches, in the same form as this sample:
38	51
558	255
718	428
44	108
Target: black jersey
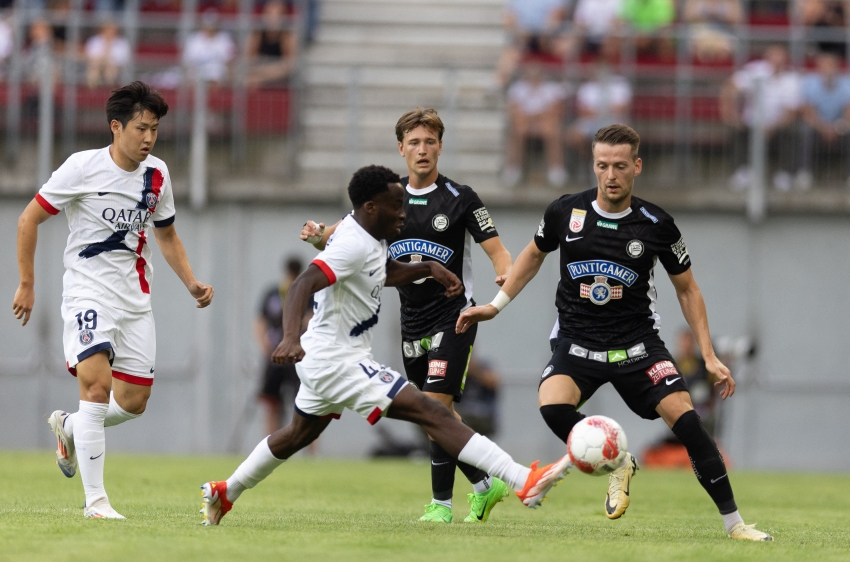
439	226
606	295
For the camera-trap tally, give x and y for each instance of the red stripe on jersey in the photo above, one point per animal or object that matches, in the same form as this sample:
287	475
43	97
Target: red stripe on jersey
156	182
374	416
71	369
132	379
140	265
47	206
329	273
330	417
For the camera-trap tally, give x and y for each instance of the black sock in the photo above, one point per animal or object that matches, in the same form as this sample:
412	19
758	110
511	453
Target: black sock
706	461
442	472
561	418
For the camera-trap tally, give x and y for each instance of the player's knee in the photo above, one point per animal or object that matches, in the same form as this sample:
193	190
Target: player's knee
561	418
96	393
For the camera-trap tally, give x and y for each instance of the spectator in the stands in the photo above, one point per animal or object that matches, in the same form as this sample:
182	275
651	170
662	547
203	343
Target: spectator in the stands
534	28
595	21
209	51
106	53
780	105
826	116
274	49
601	101
713	28
535	110
647	18
825	14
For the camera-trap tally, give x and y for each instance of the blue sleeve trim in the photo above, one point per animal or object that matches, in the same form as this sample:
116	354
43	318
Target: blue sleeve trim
95	349
399	383
164	222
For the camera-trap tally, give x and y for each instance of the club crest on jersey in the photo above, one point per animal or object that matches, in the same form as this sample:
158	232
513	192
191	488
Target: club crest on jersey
86	337
423	247
417	258
386	377
151	200
635	248
602	267
440	222
601	292
577	220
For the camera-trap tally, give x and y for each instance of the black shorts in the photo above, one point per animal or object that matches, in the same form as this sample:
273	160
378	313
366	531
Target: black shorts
438	363
277	379
642	373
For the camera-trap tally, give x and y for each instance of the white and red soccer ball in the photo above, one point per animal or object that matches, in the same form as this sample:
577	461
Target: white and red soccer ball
597	445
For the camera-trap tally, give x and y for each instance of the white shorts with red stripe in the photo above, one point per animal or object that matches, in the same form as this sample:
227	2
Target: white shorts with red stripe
128	337
330	386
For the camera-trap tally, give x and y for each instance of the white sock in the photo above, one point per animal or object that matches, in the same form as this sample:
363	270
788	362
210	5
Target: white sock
483	486
90	442
482	453
116	414
253	470
731	519
445	503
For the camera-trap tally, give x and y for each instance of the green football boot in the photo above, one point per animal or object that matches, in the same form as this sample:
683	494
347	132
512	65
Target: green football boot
436	513
482	504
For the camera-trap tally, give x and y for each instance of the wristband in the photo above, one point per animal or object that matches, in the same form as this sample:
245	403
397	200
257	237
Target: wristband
501	301
315	239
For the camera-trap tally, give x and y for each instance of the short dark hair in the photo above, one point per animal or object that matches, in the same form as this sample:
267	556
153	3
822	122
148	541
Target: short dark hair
128	101
416	117
368	182
618	134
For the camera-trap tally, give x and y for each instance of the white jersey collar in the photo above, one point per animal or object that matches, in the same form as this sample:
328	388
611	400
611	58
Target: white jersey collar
608	215
423	191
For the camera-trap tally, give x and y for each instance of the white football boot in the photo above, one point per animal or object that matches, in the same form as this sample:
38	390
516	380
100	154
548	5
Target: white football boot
66	453
619	482
743	532
101	510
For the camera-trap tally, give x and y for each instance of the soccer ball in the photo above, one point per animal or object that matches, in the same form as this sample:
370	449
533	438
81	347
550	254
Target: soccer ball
597	445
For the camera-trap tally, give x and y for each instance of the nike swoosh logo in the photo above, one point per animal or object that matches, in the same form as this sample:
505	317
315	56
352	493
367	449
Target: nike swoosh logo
671	381
718	479
574	239
432	381
438	463
97	457
151	369
371	273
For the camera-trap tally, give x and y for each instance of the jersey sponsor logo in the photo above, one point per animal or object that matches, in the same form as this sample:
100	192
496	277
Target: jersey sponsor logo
636	350
485	223
437	368
540	228
418	201
134	220
681	251
568	239
601	292
632	360
440	222
86	337
617	355
606	224
577	220
547	371
602	267
600	356
661	370
634	248
578	350
649	216
451	188
423	247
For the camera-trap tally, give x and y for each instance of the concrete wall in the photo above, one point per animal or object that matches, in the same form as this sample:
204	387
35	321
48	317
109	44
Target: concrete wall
781	283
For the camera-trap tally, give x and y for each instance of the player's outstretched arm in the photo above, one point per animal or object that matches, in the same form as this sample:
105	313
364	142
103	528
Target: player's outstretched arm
500	256
693	308
317	234
297	298
28	222
403	273
175	254
525	267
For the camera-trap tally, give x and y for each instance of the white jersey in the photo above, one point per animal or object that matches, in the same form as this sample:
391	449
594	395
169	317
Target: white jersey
355	263
107	258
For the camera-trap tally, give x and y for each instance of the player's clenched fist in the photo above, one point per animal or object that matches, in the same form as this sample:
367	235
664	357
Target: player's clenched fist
447	279
202	293
23	303
312	232
288	351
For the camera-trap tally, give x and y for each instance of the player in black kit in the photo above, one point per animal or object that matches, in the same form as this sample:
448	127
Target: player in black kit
442	218
607	327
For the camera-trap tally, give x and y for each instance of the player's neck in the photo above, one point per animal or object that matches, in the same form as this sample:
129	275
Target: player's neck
613	208
363	221
121	160
417	182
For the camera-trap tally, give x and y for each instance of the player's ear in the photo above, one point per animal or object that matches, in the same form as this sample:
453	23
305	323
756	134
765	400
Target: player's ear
401	148
638	166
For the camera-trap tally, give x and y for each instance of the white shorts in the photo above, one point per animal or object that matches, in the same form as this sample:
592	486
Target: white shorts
330	386
129	337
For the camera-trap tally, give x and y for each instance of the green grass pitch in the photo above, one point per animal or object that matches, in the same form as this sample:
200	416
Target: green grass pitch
323	510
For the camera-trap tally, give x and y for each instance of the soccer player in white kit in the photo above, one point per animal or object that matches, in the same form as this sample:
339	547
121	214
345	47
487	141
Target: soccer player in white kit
334	357
112	196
